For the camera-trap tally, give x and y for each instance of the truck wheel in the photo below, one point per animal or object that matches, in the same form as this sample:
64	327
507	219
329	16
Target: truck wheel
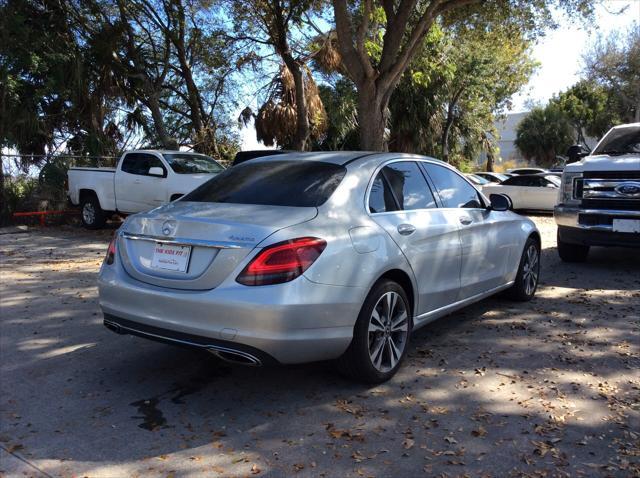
93	217
569	252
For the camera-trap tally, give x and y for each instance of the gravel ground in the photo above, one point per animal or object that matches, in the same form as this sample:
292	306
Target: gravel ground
546	388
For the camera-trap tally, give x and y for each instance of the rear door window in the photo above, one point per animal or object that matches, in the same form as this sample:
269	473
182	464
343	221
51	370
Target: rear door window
140	163
537	182
381	198
453	189
272	183
409	186
518	181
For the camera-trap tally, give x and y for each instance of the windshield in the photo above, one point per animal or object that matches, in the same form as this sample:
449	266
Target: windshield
620	141
272	183
477	179
187	163
554	179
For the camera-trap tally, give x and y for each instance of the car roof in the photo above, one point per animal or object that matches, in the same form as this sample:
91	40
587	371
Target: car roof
542	175
342	157
334	157
161	151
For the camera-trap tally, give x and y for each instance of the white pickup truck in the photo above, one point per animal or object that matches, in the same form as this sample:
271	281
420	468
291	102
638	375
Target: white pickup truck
599	203
142	180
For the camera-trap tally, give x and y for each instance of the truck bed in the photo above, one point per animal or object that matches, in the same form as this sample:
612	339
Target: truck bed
94	181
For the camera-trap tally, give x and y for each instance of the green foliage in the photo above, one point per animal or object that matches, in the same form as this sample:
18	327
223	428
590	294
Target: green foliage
590	109
16	190
93	78
381	41
37	73
53	175
340	104
613	63
447	101
544	134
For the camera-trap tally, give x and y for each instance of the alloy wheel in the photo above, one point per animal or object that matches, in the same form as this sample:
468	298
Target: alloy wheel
388	331
88	213
530	269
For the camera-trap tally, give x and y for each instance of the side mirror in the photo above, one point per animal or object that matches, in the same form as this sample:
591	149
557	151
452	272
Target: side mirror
575	153
156	171
500	202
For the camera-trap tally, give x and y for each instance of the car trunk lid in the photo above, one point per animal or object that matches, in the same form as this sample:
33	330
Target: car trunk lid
214	238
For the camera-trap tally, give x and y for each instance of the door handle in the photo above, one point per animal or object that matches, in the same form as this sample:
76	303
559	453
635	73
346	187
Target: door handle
466	220
137	181
406	229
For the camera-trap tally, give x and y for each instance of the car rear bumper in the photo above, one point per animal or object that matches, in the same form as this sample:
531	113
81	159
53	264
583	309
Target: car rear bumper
299	321
226	350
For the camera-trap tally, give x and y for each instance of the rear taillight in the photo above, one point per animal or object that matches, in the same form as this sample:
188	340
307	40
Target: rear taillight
282	262
111	251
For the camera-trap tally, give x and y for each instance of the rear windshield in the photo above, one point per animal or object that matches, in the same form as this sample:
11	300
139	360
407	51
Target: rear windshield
272	183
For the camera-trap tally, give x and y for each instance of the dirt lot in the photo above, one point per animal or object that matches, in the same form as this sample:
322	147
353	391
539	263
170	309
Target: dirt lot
547	388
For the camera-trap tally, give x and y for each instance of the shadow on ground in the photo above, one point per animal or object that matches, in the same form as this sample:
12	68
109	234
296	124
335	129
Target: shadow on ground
498	388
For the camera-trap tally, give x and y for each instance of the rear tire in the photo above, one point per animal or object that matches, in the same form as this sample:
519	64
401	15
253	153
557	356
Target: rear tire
380	336
569	252
93	217
526	283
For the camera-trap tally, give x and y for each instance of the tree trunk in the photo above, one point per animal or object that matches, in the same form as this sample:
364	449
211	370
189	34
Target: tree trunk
158	123
3	110
371	118
449	123
303	128
445	136
4	209
490	159
193	93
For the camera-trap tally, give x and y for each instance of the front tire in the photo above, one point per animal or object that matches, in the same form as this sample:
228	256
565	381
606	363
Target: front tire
526	283
569	252
93	217
380	336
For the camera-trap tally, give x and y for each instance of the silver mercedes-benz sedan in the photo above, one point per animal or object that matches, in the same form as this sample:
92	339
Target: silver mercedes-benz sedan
316	256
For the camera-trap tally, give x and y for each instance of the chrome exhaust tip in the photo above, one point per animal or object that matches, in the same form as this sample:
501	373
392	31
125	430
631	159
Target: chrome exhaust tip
235	356
114	327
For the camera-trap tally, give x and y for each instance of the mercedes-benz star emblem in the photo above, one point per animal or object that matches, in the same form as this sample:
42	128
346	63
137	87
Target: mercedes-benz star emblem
167	228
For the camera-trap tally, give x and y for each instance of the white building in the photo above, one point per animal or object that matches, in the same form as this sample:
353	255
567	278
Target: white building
507	133
506	128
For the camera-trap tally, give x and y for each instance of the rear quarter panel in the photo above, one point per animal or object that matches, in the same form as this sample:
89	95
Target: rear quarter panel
358	250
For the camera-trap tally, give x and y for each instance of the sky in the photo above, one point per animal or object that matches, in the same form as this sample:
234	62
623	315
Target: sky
559	53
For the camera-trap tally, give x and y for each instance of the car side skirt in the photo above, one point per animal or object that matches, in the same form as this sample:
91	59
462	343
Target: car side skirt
424	319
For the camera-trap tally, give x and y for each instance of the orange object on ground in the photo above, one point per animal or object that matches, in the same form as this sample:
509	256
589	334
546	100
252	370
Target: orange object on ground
42	214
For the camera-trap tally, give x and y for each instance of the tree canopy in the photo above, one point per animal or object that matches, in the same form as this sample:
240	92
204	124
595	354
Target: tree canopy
544	134
94	77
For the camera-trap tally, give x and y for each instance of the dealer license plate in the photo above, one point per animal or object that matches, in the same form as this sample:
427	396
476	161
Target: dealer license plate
171	257
626	225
